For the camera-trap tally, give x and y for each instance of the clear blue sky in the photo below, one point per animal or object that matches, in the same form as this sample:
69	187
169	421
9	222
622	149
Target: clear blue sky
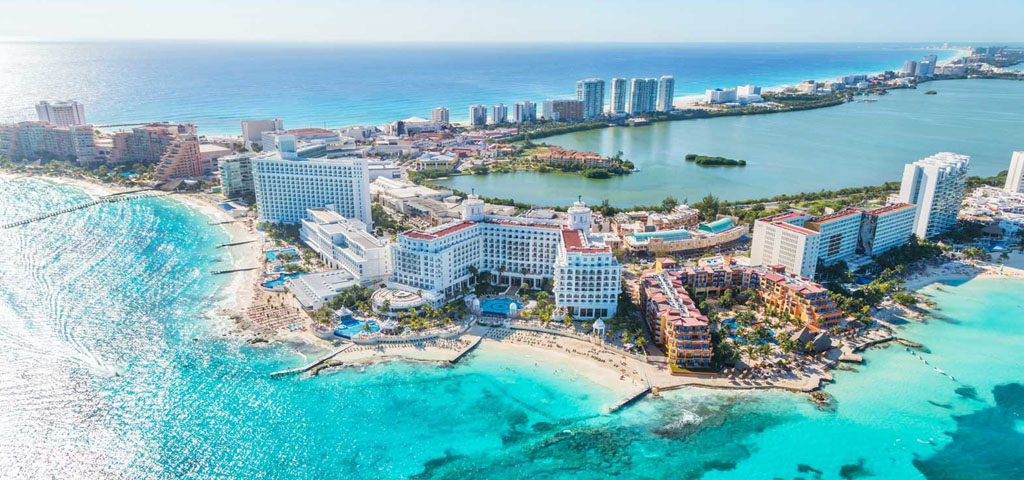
517	20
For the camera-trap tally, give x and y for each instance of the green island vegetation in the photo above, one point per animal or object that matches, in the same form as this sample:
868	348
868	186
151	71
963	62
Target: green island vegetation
706	161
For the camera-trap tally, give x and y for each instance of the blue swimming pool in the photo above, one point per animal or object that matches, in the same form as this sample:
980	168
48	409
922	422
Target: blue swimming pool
272	255
351	327
499	306
284	277
731	322
227	206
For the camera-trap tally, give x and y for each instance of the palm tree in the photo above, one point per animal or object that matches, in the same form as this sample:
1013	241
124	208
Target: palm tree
501	271
473	272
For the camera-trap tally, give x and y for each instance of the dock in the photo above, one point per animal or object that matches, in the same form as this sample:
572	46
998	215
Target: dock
233	270
126	196
468	349
232	244
306	368
625	402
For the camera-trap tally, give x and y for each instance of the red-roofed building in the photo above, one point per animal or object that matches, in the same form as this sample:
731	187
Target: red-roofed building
675	321
440	263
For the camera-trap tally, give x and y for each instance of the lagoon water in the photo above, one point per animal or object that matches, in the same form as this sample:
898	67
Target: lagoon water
855	144
111	365
215	85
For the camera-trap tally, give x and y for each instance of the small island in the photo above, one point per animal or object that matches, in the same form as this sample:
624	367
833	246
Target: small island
931	92
706	161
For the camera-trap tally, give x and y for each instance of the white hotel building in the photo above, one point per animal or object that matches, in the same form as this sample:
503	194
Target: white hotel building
437	263
885	228
781	240
936	185
838	232
345	244
287	186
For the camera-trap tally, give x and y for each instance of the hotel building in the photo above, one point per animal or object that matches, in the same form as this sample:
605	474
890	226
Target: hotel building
936	185
782	240
838	233
591	93
346	244
499	113
719	95
619	96
524	112
666	93
252	130
885	228
643	93
1015	176
287	185
181	159
146	144
61	113
236	175
478	115
801	298
674	319
437	263
440	115
562	110
29	140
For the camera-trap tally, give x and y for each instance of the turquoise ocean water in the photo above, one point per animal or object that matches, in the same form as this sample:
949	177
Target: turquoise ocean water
215	85
112	367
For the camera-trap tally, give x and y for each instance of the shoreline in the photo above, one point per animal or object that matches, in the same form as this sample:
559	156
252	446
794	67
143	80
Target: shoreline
614	371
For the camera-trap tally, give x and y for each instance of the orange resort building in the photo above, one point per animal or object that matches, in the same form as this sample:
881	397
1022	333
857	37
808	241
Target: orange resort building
674	319
563	157
800	298
30	140
442	263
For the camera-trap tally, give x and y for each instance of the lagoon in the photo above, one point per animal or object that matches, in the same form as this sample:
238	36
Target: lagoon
854	144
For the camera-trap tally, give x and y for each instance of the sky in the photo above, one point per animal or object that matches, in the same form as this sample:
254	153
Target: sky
515	20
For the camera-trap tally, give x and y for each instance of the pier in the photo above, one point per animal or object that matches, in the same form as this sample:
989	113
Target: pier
233	270
126	196
222	223
625	402
468	349
232	244
306	368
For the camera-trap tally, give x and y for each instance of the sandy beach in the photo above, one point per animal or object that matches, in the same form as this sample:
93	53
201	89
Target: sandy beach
967	270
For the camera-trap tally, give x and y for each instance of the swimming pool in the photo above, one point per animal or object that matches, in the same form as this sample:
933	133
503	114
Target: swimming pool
731	322
499	306
351	327
284	277
272	255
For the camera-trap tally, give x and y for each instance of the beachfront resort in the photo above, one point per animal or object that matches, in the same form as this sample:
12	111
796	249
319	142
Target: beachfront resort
342	240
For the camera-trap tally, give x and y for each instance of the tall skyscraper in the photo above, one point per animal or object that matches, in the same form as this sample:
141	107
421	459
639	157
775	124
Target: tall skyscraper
440	115
478	115
619	95
499	113
1015	176
936	185
524	112
643	94
287	185
910	68
591	92
61	113
666	93
562	110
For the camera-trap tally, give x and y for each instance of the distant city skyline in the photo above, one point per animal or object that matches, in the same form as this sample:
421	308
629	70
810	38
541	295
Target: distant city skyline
489	21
